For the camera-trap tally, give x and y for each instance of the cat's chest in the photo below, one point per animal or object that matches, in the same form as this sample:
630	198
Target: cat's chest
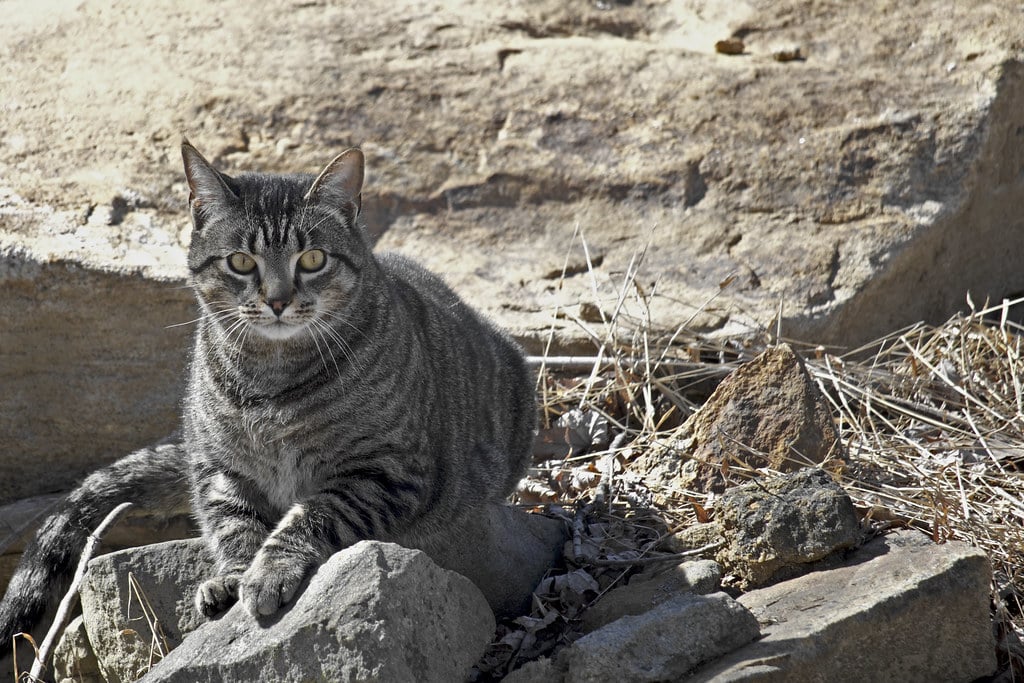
273	449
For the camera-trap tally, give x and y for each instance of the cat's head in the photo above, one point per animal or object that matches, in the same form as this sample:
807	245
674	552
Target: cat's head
275	256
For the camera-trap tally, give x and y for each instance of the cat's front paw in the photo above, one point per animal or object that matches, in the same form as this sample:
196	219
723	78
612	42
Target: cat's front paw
271	581
217	594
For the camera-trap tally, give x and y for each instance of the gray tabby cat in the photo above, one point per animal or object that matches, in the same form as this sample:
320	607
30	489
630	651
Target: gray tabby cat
333	396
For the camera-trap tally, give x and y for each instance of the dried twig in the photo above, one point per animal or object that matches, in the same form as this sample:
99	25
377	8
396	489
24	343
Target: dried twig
68	602
658	559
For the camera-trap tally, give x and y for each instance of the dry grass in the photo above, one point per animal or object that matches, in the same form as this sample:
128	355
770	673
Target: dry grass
932	416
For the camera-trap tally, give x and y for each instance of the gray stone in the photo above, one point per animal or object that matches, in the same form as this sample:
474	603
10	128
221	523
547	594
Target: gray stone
541	670
775	527
375	611
160	579
73	658
861	195
505	552
662	644
901	609
648	590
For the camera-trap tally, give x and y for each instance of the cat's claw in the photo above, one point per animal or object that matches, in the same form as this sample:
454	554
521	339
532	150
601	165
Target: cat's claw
217	594
270	583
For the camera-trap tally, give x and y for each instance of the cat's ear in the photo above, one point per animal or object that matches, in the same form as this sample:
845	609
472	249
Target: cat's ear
207	188
341	182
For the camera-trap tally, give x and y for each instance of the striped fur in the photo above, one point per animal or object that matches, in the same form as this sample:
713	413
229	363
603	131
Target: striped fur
380	407
385	408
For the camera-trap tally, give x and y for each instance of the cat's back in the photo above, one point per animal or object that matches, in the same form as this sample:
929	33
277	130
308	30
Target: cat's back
483	389
427	296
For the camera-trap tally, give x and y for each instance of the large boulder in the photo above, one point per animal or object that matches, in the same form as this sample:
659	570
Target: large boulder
373	612
869	183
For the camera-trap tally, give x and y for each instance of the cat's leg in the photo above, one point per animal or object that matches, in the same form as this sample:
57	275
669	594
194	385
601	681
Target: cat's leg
304	539
234	529
311	531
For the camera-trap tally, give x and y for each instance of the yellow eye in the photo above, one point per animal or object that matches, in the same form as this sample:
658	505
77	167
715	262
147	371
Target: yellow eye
312	260
243	264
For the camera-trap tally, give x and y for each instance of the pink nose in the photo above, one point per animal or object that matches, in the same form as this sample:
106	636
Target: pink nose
278	306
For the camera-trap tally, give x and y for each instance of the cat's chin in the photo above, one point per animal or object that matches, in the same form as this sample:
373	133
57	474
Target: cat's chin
278	331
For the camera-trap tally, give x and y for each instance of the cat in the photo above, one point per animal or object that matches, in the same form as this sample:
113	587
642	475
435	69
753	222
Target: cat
333	395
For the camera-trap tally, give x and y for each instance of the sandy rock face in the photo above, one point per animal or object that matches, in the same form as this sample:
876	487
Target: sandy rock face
882	158
869	184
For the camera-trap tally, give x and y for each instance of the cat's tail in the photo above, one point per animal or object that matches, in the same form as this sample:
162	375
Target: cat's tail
154	478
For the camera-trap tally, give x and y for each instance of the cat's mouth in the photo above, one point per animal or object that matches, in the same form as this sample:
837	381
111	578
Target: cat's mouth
277	329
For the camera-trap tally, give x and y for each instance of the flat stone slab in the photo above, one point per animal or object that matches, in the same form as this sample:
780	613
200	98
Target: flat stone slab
661	644
901	609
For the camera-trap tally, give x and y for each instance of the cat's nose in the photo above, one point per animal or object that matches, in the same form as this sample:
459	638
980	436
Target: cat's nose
278	306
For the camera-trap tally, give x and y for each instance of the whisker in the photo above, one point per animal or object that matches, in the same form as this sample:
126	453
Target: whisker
343	320
312	335
215	315
343	345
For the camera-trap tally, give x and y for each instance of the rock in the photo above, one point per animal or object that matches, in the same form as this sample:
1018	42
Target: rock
73	658
538	671
900	609
767	413
87	383
162	578
646	592
701	535
867	186
375	611
662	644
775	527
505	552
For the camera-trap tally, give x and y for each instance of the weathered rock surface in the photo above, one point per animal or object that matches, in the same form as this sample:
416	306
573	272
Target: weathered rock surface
868	185
900	609
775	527
375	611
73	658
766	413
123	588
661	644
646	592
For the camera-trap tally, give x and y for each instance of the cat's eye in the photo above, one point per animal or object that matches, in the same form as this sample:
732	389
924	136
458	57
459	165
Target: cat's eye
312	260
243	264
